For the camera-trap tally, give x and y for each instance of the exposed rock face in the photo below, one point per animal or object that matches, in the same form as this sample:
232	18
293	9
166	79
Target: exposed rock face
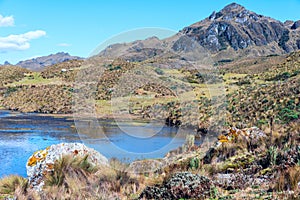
232	32
296	25
181	185
41	62
41	162
238	28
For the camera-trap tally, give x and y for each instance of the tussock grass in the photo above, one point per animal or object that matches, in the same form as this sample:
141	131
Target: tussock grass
9	184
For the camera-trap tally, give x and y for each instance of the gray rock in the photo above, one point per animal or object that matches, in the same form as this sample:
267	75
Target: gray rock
181	185
296	25
223	33
42	161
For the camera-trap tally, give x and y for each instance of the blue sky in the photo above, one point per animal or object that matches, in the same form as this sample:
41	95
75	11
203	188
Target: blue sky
35	28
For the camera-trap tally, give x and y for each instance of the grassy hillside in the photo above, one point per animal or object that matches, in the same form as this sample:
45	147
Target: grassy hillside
249	91
255	163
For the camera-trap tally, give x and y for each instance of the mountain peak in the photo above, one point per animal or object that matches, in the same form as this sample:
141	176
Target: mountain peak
231	12
233	7
231	32
236	28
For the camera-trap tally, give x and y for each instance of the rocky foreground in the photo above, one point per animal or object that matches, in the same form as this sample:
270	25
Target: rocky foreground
242	163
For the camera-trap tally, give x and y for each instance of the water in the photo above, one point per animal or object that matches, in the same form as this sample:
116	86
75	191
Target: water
22	134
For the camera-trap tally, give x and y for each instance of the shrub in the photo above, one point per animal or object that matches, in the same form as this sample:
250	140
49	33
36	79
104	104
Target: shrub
159	71
288	115
272	155
194	163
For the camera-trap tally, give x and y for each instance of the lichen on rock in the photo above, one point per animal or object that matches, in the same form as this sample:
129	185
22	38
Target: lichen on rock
180	185
41	162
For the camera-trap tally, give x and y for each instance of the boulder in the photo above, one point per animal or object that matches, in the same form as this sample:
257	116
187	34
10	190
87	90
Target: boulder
144	166
252	135
42	162
182	185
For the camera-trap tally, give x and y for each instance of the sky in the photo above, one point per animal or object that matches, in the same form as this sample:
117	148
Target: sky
35	28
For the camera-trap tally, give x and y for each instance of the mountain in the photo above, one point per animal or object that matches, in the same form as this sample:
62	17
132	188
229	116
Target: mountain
39	63
230	33
237	28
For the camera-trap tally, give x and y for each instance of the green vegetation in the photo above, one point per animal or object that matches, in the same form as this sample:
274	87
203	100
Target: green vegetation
262	92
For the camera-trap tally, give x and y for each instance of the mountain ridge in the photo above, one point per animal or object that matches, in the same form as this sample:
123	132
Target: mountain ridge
38	63
233	32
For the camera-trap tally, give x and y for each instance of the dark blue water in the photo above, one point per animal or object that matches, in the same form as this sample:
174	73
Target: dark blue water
22	134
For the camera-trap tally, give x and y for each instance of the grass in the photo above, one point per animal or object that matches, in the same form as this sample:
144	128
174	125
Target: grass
35	79
69	166
9	184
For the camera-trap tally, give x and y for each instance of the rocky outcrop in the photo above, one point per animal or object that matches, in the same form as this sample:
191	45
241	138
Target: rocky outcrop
296	25
183	185
238	28
230	33
253	138
42	162
39	63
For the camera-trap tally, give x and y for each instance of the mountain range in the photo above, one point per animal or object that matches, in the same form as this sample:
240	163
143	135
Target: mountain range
233	32
37	64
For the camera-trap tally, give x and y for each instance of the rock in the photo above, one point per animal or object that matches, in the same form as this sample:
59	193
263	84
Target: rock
296	25
41	162
249	134
144	166
238	28
238	181
181	185
252	136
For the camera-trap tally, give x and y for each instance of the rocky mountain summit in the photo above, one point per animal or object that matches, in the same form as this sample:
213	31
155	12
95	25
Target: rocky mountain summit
230	33
238	28
39	63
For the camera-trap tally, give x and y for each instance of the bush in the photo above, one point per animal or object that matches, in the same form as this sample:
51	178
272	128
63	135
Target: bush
194	163
272	155
159	71
288	115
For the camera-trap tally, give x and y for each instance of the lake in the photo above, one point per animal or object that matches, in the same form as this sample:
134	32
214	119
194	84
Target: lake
21	134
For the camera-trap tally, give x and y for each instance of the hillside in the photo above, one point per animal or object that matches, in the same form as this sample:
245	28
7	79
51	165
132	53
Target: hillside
232	78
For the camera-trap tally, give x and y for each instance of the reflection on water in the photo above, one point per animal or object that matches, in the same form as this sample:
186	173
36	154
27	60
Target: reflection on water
22	134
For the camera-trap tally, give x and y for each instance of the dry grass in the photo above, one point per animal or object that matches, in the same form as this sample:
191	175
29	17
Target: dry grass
68	167
288	179
76	178
9	184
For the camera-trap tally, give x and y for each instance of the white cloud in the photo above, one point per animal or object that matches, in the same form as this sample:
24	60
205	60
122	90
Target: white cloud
63	44
6	21
19	42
